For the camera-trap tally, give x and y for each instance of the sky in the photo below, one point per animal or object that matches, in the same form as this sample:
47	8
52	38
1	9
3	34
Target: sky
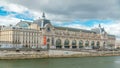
83	14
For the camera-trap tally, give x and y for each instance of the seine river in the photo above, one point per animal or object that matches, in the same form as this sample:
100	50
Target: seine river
85	62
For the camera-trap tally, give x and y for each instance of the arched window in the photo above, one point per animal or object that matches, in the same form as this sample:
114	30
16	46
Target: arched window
74	42
92	43
98	44
66	43
58	42
80	44
86	43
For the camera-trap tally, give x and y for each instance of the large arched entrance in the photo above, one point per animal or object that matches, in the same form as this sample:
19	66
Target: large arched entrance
74	44
80	44
93	45
58	43
86	43
66	44
98	45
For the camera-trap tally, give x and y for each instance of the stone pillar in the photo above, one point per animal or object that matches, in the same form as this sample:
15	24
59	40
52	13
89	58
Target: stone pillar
62	42
63	46
55	41
70	44
83	43
77	44
95	43
102	44
71	47
90	43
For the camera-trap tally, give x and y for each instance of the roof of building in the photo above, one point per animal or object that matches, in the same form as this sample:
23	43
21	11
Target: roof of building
23	24
74	29
111	35
97	30
41	22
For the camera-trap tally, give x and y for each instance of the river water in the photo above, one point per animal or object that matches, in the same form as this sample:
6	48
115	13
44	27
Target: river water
84	62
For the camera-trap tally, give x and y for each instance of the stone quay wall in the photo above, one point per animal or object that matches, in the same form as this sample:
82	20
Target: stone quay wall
54	54
23	54
61	53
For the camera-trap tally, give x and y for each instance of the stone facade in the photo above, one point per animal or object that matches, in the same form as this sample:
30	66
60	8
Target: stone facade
42	34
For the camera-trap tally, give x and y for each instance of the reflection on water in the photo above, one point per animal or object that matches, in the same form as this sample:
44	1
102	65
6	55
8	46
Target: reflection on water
86	62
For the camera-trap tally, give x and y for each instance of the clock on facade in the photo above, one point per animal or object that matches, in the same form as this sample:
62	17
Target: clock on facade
48	29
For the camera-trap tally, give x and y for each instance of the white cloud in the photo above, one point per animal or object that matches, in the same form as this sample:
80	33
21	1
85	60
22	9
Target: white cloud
12	7
35	14
6	20
111	28
15	8
72	9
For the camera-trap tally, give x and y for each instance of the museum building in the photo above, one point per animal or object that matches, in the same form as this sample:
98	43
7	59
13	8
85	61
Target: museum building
42	34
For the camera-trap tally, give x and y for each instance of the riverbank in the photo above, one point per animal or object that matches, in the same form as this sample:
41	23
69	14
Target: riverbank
54	54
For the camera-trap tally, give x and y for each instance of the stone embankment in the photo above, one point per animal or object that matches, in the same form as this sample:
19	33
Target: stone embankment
23	54
54	53
61	53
